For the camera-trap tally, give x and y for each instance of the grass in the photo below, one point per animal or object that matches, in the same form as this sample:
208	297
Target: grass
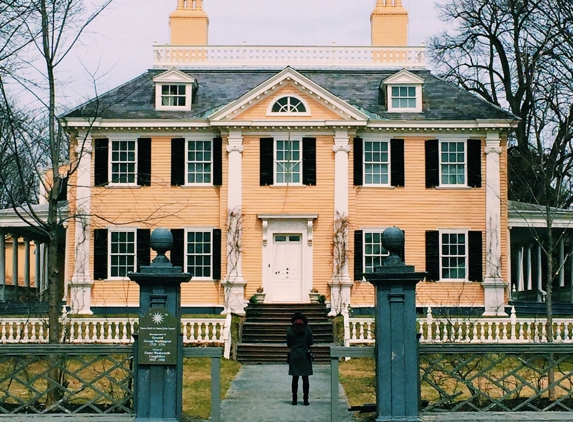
357	378
197	384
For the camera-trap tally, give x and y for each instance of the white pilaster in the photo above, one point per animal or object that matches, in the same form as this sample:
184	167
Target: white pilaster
15	252
2	265
82	282
494	286
26	262
234	282
340	283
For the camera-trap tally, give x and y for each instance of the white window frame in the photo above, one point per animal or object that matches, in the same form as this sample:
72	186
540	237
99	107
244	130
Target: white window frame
186	250
388	163
364	254
110	161
174	77
418	98
466	260
270	111
187	162
110	231
465	163
290	138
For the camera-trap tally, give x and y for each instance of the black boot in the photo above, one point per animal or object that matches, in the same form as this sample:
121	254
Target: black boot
294	388
305	390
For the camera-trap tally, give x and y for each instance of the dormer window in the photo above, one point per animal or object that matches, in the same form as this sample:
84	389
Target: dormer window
404	91
289	105
173	90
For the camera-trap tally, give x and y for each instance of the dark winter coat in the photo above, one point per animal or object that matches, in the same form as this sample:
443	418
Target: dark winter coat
299	339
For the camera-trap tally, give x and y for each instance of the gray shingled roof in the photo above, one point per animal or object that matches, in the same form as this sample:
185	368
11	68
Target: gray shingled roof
216	88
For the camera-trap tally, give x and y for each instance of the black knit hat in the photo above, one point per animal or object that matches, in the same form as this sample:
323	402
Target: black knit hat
299	316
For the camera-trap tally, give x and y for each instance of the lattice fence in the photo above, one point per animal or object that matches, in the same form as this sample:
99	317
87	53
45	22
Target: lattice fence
70	379
497	377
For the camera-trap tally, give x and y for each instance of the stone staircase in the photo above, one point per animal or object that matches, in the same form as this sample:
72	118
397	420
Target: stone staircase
263	338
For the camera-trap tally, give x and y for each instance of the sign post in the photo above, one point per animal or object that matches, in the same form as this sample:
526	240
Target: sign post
158	345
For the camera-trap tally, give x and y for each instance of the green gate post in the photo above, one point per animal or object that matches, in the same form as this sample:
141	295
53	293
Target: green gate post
158	388
396	351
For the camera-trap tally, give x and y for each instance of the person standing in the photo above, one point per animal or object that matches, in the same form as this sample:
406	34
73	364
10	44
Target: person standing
299	340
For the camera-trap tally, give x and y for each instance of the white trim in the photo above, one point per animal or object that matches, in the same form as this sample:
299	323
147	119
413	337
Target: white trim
173	77
404	79
454	231
120	229
465	163
188	229
289	138
186	162
159	97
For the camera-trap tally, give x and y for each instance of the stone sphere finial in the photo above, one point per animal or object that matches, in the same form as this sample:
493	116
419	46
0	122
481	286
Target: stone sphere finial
161	241
393	242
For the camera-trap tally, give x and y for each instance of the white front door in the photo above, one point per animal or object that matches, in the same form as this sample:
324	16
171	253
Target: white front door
286	268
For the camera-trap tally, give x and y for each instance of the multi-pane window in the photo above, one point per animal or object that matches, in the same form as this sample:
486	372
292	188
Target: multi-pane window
173	95
453	256
200	254
376	163
374	252
288	105
122	256
123	162
199	162
403	97
452	163
288	163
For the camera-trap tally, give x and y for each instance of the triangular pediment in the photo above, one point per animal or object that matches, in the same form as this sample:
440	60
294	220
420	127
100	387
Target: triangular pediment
403	77
319	103
174	76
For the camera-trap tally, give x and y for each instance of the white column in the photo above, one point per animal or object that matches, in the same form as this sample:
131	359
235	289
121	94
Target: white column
38	265
494	286
234	282
15	261
26	262
2	265
340	283
82	282
562	262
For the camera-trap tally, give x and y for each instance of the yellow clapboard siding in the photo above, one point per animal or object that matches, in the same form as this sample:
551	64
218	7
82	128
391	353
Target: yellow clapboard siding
436	294
115	293
259	110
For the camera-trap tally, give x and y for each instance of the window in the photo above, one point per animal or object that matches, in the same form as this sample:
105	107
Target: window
123	162
173	89
453	254
288	105
199	162
376	163
287	162
173	95
122	256
199	254
452	163
403	97
374	252
291	161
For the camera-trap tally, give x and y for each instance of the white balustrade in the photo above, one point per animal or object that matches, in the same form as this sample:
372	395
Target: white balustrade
432	329
196	57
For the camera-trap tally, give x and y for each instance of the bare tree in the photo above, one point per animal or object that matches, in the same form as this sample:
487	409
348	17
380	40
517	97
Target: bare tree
36	36
518	55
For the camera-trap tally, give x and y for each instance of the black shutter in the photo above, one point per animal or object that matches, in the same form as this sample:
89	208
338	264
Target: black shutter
432	163
217	162
178	248
144	162
100	254
266	161
309	161
402	252
101	159
178	162
358	255
474	163
358	150
433	255
63	195
216	254
475	256
397	162
143	248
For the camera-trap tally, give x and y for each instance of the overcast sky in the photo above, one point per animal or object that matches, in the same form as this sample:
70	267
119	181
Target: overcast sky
118	46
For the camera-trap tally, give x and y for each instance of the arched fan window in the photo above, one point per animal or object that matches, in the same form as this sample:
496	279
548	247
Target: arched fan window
288	105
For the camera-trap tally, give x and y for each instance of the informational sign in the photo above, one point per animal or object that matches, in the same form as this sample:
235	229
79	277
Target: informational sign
157	343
